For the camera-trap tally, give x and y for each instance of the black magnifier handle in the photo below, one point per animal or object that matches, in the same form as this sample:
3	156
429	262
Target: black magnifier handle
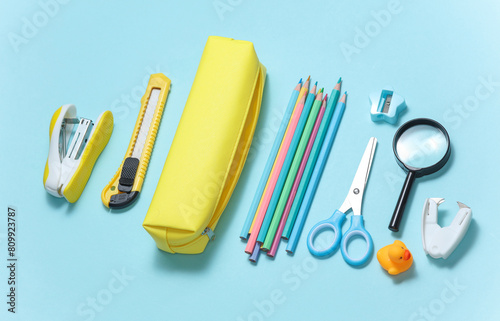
403	198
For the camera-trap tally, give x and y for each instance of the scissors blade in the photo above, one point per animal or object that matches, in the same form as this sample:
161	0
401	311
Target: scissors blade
354	198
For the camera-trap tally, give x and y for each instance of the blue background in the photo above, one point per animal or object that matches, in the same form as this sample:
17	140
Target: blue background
98	55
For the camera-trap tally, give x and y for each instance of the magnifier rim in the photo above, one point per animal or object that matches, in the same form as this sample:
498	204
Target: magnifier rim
423	170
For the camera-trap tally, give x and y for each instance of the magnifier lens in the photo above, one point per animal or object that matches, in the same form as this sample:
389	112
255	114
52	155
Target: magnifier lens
421	146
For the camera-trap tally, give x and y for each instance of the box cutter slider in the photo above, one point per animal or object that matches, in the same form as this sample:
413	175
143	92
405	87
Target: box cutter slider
75	145
440	242
127	182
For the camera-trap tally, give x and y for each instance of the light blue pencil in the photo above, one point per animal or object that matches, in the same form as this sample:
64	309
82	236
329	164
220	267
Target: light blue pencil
316	175
286	165
311	162
270	161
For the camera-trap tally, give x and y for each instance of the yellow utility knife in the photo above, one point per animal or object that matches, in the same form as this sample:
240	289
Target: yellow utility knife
126	185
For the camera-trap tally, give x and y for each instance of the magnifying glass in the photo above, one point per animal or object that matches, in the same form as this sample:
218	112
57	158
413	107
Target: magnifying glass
422	147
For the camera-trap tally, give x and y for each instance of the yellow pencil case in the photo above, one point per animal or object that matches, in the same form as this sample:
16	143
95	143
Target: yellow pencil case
209	148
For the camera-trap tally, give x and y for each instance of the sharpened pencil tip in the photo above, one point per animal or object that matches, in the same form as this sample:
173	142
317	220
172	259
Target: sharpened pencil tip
299	85
344	97
340	80
307	83
316	83
313	90
325	100
337	86
319	95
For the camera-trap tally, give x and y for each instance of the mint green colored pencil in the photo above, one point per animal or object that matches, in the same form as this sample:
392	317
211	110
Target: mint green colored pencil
297	158
332	102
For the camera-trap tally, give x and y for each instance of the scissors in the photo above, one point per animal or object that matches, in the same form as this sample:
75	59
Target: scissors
353	201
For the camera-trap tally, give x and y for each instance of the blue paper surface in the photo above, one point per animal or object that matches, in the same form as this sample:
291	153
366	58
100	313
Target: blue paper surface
83	262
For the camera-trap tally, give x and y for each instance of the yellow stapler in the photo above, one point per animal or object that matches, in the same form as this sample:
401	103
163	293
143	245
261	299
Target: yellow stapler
126	185
75	145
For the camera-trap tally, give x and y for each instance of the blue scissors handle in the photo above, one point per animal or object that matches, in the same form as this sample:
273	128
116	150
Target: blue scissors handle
356	229
334	223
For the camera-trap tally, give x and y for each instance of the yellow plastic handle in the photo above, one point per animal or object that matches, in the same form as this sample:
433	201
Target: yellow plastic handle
111	196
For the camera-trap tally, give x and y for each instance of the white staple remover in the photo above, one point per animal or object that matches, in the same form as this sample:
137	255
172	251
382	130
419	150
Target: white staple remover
440	242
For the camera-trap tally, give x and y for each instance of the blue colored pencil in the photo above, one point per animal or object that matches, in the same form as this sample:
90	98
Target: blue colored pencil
316	175
311	162
270	161
255	254
286	165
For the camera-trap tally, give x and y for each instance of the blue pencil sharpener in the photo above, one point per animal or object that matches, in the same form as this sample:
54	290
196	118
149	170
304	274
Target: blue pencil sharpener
386	105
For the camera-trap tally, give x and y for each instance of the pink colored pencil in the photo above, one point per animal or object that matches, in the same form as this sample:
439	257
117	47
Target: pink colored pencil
274	176
296	183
